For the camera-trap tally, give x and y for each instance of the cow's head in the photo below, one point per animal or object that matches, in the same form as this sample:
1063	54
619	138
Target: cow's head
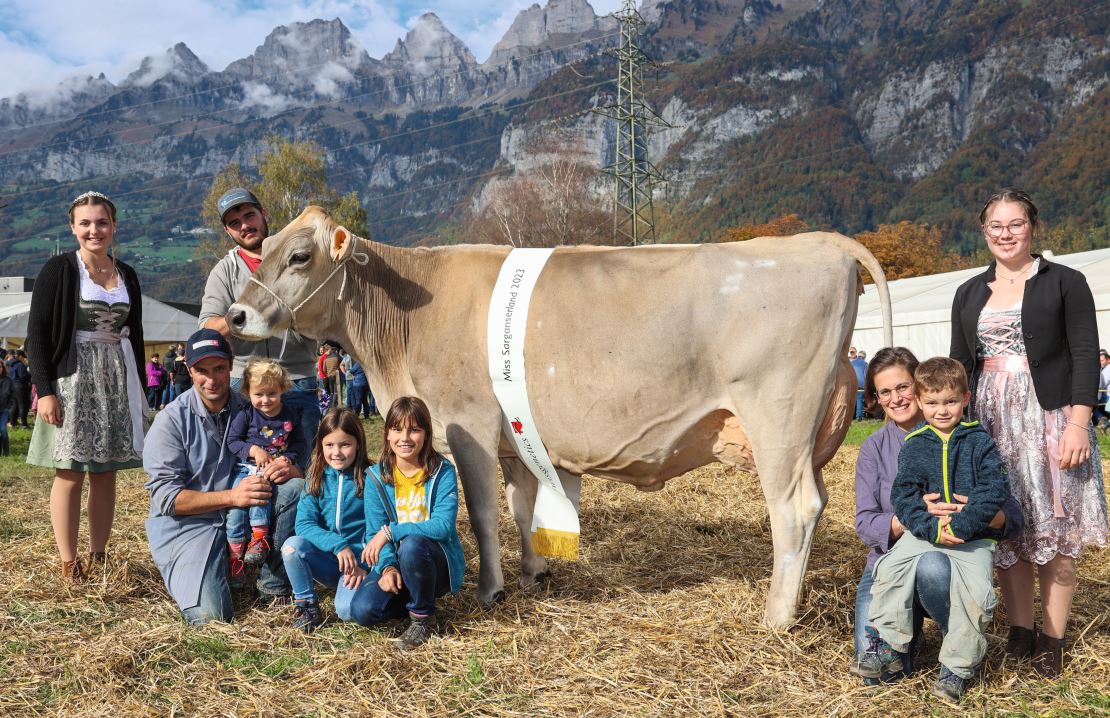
297	283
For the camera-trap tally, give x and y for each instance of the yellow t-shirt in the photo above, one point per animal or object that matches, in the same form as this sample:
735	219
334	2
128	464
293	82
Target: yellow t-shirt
409	492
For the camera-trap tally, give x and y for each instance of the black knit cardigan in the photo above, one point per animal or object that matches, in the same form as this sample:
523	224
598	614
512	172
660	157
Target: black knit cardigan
1060	332
51	325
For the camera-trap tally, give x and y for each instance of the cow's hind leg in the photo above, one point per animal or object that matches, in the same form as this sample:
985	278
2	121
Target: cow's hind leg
520	493
478	472
795	500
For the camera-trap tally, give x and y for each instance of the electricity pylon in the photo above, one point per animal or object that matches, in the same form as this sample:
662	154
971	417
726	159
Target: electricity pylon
634	175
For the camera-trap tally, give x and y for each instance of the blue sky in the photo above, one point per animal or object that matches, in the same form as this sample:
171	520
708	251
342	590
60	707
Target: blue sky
42	42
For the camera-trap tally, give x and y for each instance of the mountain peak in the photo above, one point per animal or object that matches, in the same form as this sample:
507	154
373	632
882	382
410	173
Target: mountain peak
178	62
548	26
429	47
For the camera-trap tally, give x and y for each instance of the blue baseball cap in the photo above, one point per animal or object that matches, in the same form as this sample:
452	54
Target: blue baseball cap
233	198
206	343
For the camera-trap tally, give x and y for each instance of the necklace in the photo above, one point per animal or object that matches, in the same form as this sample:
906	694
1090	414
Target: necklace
1016	276
91	266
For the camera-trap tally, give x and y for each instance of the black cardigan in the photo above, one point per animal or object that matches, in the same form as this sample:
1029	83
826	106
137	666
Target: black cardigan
51	324
1061	336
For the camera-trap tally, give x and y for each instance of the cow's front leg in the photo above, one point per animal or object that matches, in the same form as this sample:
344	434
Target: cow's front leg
477	464
521	488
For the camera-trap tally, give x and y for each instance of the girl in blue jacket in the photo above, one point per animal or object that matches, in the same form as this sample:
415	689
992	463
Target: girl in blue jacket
412	500
331	521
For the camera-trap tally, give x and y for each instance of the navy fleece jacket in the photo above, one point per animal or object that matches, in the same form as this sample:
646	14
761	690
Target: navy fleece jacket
967	463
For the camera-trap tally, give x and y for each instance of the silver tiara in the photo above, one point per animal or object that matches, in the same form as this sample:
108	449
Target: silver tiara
91	193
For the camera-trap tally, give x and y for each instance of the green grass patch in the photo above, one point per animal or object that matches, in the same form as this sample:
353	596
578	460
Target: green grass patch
860	430
11	529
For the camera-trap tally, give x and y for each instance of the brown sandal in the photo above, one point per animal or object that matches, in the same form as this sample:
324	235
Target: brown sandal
73	572
96	561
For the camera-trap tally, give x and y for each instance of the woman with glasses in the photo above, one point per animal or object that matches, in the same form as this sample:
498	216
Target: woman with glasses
1025	331
889	385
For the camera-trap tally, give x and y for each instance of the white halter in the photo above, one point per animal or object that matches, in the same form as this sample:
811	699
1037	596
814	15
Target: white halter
360	258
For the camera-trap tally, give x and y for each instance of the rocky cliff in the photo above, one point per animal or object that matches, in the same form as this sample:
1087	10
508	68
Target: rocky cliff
848	112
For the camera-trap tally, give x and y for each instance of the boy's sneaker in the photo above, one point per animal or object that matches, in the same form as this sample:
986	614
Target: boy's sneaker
948	686
879	658
306	616
258	550
417	634
236	573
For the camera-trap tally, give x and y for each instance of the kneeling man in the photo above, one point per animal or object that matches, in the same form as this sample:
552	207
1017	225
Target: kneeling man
189	468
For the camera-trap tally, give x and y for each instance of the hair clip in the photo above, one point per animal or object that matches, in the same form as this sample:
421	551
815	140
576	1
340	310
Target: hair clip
91	193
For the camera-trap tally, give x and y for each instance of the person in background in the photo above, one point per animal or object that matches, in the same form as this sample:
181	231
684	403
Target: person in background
181	379
331	375
358	389
7	401
169	364
1102	416
859	366
21	383
1025	331
85	336
155	375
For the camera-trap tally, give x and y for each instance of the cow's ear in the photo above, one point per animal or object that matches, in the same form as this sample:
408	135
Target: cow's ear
342	243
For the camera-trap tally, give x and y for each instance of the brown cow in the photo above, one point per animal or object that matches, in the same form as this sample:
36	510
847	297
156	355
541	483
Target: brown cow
643	363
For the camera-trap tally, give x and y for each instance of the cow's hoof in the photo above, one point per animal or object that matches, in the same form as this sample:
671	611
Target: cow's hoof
488	602
539	582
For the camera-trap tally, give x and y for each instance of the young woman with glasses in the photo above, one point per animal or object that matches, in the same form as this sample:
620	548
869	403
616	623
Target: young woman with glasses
1025	331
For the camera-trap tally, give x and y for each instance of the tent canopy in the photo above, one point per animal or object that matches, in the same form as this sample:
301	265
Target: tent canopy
161	322
922	306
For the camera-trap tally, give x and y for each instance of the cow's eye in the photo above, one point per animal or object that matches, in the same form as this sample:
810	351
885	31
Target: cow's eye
299	258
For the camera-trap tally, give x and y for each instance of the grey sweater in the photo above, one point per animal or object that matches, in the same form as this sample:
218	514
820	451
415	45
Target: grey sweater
226	282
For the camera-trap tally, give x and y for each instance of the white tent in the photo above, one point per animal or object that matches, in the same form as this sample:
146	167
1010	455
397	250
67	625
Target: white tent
161	322
922	306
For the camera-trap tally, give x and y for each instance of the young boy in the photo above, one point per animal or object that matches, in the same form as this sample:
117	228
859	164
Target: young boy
950	457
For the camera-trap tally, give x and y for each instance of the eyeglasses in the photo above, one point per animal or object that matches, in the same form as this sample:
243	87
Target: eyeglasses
905	389
1018	226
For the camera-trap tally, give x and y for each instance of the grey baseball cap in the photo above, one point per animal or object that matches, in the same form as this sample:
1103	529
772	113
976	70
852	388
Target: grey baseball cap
233	198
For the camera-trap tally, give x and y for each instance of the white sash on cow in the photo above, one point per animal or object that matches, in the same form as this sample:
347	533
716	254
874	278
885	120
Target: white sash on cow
554	520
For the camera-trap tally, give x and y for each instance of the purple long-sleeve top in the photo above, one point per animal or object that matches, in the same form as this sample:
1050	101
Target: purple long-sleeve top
876	469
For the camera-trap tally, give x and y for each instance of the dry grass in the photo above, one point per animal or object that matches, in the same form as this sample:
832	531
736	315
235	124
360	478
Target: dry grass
661	617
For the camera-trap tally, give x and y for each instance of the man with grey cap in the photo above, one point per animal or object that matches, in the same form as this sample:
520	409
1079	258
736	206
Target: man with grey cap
188	469
247	223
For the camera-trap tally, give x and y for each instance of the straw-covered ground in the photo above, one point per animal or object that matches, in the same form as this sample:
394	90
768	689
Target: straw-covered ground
660	617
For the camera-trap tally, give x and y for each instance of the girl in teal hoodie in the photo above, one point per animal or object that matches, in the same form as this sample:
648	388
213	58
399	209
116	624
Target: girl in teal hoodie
331	521
412	501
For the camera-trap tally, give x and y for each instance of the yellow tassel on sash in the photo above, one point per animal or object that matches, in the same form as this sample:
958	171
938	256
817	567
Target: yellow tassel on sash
555	544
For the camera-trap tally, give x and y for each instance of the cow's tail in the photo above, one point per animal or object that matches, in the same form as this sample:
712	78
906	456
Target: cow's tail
863	255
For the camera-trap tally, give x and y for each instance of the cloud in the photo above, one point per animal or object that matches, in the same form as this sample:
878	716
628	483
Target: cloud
329	79
260	96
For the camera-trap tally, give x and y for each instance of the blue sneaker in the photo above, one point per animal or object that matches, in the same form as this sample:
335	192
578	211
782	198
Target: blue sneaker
948	686
879	658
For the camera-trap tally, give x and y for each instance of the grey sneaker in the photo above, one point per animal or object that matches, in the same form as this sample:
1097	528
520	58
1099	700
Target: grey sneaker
879	658
306	616
948	686
417	634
